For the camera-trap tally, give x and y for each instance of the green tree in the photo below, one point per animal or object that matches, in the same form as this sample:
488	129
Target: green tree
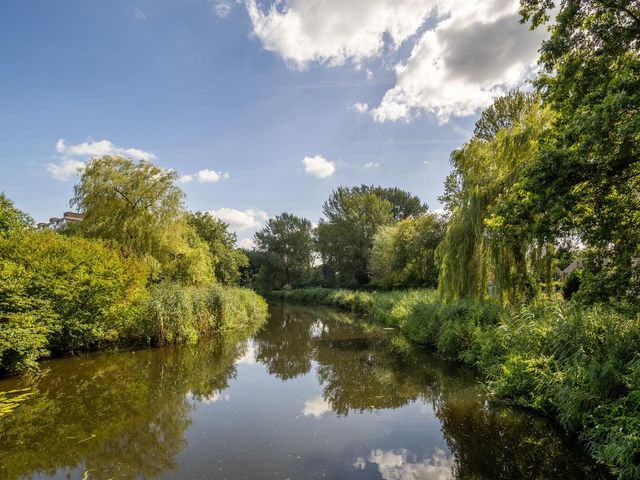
139	206
288	242
12	220
345	236
226	258
403	254
403	204
482	243
63	294
587	175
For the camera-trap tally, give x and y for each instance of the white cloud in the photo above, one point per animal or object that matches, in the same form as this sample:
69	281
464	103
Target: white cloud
371	165
462	65
403	465
463	54
240	220
92	148
220	8
204	176
360	107
209	399
304	31
73	157
247	243
316	407
249	357
65	169
318	166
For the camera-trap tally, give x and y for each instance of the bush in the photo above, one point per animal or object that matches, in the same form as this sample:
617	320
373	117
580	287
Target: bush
63	294
578	364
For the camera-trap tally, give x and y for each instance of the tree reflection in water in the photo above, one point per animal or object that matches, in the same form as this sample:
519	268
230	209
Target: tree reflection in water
360	371
127	415
120	415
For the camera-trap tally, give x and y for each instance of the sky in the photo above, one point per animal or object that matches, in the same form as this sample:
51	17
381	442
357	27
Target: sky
260	106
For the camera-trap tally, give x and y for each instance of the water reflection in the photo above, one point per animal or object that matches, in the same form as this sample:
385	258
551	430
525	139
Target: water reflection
313	394
403	465
114	415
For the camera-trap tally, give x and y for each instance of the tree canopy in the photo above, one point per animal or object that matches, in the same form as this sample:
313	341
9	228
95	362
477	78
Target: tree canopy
586	178
286	242
139	206
226	258
12	220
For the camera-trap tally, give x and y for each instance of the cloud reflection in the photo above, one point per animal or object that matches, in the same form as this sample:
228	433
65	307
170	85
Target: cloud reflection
316	407
402	465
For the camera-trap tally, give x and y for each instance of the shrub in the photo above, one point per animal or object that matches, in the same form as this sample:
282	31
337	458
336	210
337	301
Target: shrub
63	294
578	364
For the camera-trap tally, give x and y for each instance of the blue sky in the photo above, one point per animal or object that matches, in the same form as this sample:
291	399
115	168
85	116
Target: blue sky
235	95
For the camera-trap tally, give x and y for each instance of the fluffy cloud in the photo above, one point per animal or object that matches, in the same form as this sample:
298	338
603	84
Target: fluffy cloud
92	148
460	66
371	165
316	407
73	157
209	399
304	31
360	107
318	166
239	220
402	465
204	176
463	54
65	169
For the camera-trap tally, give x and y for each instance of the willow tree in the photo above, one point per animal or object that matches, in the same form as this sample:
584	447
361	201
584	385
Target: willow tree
481	244
139	206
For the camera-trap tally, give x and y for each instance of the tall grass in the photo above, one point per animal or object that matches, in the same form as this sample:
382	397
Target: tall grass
183	314
579	365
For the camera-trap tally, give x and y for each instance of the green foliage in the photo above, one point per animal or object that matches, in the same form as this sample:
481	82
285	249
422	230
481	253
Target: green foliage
12	220
403	254
63	294
481	242
285	247
345	237
586	177
225	257
578	364
571	284
175	314
139	206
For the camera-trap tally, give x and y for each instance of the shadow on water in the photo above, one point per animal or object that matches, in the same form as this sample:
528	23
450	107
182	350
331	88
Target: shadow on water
312	394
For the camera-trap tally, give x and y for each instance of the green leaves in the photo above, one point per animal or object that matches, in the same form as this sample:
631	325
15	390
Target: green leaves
139	206
286	248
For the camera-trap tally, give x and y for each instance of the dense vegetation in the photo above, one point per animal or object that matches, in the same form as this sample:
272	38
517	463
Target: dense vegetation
579	364
139	270
549	179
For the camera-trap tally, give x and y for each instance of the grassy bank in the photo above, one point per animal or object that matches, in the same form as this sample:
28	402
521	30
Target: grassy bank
580	365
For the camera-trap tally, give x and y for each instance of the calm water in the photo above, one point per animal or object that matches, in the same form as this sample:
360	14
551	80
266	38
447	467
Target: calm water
310	396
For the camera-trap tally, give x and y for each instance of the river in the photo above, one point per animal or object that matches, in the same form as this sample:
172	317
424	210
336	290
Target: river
315	394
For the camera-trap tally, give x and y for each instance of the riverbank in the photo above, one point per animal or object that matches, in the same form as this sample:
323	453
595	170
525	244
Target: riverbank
579	365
